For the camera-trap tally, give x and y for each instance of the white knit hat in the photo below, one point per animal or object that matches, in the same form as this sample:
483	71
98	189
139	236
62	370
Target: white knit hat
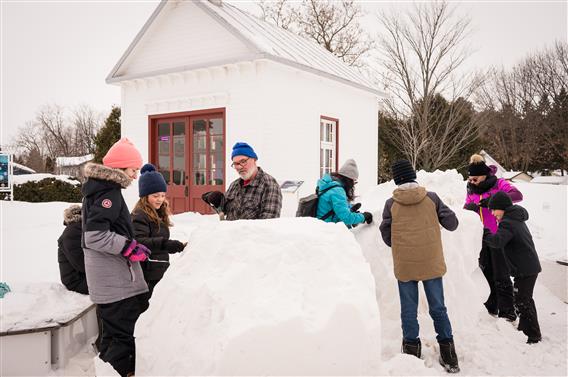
349	170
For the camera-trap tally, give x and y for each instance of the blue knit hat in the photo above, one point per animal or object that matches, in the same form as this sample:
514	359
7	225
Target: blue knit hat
243	149
150	181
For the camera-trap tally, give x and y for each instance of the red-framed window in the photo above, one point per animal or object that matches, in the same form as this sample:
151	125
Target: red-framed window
329	136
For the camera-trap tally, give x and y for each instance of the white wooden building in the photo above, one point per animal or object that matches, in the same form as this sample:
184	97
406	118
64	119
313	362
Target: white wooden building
201	76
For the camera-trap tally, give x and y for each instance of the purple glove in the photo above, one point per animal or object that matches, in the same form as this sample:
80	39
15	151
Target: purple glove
136	252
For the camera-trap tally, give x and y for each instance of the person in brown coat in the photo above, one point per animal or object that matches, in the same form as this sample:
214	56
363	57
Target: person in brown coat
411	227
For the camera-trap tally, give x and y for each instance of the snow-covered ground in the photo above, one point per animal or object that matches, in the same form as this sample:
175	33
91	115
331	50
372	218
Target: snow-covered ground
242	283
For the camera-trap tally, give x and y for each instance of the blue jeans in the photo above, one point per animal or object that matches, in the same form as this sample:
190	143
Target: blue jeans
434	290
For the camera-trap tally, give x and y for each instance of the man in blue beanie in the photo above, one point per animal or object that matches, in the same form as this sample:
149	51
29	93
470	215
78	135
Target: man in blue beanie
255	195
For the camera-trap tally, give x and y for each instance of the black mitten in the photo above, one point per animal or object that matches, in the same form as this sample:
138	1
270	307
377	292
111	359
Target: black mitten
484	203
472	207
368	217
355	207
173	246
215	199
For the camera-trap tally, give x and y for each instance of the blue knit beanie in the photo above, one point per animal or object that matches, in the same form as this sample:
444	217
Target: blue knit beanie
243	149
150	181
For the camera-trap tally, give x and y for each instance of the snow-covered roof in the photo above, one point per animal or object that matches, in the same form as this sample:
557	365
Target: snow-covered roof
267	41
513	174
73	161
552	180
22	167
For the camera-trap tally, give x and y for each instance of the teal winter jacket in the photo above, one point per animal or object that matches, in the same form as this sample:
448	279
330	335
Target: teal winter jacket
336	199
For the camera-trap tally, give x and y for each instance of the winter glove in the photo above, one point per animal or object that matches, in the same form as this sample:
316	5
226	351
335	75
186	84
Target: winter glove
174	246
484	203
355	207
215	199
368	217
471	207
136	252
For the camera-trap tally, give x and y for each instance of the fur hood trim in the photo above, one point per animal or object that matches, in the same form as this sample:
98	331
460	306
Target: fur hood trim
72	214
105	173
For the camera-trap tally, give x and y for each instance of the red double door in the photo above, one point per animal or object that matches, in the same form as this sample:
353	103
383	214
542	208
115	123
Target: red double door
189	150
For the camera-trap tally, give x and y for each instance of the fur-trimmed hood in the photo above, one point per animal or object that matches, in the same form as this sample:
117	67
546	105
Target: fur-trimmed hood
104	173
72	214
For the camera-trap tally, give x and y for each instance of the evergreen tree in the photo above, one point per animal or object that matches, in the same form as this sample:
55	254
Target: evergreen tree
556	138
388	152
108	134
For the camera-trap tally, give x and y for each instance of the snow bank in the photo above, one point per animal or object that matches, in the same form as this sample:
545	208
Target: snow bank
31	306
284	296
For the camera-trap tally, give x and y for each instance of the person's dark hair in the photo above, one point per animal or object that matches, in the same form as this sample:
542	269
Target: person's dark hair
348	185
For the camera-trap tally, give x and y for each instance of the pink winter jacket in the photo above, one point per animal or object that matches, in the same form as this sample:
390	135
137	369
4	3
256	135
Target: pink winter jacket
489	221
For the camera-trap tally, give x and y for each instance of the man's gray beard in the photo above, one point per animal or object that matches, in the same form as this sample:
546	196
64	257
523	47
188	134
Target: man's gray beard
248	175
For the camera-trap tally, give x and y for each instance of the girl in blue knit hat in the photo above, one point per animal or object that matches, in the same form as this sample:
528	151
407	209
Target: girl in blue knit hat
151	220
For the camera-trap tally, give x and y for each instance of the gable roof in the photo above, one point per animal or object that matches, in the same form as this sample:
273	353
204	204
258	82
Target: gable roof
265	41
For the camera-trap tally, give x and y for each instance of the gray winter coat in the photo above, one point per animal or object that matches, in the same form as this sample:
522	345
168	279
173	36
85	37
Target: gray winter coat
107	229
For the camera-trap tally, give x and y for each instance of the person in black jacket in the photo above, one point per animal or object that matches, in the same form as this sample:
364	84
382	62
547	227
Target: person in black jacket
514	237
151	221
70	253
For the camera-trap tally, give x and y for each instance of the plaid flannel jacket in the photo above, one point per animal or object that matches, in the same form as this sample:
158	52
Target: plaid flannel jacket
260	199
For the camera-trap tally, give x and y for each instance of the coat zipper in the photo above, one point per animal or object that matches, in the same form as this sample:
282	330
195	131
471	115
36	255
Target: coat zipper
132	276
481	209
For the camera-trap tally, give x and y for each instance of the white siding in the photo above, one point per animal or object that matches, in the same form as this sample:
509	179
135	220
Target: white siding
290	114
273	107
182	36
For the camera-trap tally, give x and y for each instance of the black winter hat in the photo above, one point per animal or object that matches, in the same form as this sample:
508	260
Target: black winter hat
403	172
477	166
500	200
150	181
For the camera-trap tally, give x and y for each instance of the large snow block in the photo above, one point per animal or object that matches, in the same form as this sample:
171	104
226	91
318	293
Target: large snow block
290	296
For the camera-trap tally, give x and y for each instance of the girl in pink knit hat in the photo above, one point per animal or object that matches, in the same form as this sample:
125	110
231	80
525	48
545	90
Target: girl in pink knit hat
112	255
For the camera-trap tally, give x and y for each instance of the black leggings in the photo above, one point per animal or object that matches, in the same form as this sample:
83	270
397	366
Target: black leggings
496	271
117	345
528	319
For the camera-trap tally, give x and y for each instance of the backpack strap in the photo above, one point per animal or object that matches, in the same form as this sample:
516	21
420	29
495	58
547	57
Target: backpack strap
330	213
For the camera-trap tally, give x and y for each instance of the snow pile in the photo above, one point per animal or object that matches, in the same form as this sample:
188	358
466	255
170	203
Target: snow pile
31	306
285	296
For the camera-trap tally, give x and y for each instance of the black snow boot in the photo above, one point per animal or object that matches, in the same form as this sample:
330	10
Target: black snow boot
412	348
448	357
509	316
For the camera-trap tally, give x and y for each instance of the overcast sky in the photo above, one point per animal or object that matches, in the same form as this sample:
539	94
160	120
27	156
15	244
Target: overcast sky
61	52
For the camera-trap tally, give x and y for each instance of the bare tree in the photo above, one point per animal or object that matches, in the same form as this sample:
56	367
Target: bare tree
332	24
57	136
86	122
525	135
422	53
279	12
53	134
